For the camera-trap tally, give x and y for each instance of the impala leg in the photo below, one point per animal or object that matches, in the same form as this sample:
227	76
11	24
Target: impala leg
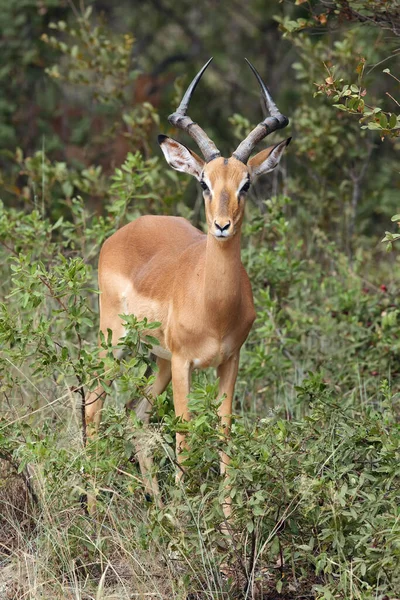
181	372
227	374
93	405
162	379
94	400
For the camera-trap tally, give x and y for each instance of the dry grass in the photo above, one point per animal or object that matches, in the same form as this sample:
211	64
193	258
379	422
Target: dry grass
41	559
16	518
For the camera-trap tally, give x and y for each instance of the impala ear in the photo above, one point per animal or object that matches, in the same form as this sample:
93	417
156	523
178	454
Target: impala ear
266	160
181	158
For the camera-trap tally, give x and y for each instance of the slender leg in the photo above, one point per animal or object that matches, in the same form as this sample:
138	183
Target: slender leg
94	400
227	374
162	379
181	372
93	407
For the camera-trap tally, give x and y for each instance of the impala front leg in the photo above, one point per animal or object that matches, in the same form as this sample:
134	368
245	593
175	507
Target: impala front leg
181	373
227	374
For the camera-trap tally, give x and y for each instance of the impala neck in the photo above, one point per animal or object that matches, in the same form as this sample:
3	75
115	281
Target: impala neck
222	280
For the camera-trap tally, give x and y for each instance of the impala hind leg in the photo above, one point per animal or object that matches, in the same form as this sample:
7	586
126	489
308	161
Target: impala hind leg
227	374
181	373
143	410
94	400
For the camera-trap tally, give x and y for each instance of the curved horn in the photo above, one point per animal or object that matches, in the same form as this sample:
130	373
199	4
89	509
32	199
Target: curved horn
181	120
275	121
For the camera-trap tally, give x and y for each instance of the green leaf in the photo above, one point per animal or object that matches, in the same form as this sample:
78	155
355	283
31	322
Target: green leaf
383	120
152	340
392	121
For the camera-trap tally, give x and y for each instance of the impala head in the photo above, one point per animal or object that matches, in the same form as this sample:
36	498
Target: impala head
224	181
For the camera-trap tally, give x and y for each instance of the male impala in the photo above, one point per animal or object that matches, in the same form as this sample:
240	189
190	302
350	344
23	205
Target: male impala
194	284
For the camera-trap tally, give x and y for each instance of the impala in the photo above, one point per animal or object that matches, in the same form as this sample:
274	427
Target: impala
194	284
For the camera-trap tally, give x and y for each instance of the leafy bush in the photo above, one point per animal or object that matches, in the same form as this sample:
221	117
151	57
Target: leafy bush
314	447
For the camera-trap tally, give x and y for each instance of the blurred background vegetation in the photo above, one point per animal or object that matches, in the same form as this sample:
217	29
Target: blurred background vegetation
85	87
87	84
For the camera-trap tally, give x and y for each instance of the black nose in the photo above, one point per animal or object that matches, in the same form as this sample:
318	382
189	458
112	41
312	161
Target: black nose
222	227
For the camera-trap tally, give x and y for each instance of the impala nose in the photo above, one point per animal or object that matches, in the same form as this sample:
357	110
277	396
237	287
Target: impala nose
222	228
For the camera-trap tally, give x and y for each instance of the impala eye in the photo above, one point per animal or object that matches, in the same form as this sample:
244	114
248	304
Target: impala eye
246	187
204	186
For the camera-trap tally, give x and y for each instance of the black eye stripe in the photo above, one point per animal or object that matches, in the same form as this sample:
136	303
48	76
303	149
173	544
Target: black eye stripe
245	187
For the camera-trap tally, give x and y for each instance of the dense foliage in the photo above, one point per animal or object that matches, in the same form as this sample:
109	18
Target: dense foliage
315	441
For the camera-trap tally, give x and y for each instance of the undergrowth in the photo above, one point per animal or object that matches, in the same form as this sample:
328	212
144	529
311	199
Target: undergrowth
314	477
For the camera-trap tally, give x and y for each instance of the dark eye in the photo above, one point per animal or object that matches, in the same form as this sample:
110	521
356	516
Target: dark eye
204	186
245	188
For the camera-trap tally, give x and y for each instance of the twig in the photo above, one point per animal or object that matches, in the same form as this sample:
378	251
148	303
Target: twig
52	293
391	97
252	562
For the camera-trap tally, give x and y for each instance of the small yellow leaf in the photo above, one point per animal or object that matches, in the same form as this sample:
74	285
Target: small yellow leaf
329	80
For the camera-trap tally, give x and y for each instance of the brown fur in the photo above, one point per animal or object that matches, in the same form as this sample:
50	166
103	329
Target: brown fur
194	284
